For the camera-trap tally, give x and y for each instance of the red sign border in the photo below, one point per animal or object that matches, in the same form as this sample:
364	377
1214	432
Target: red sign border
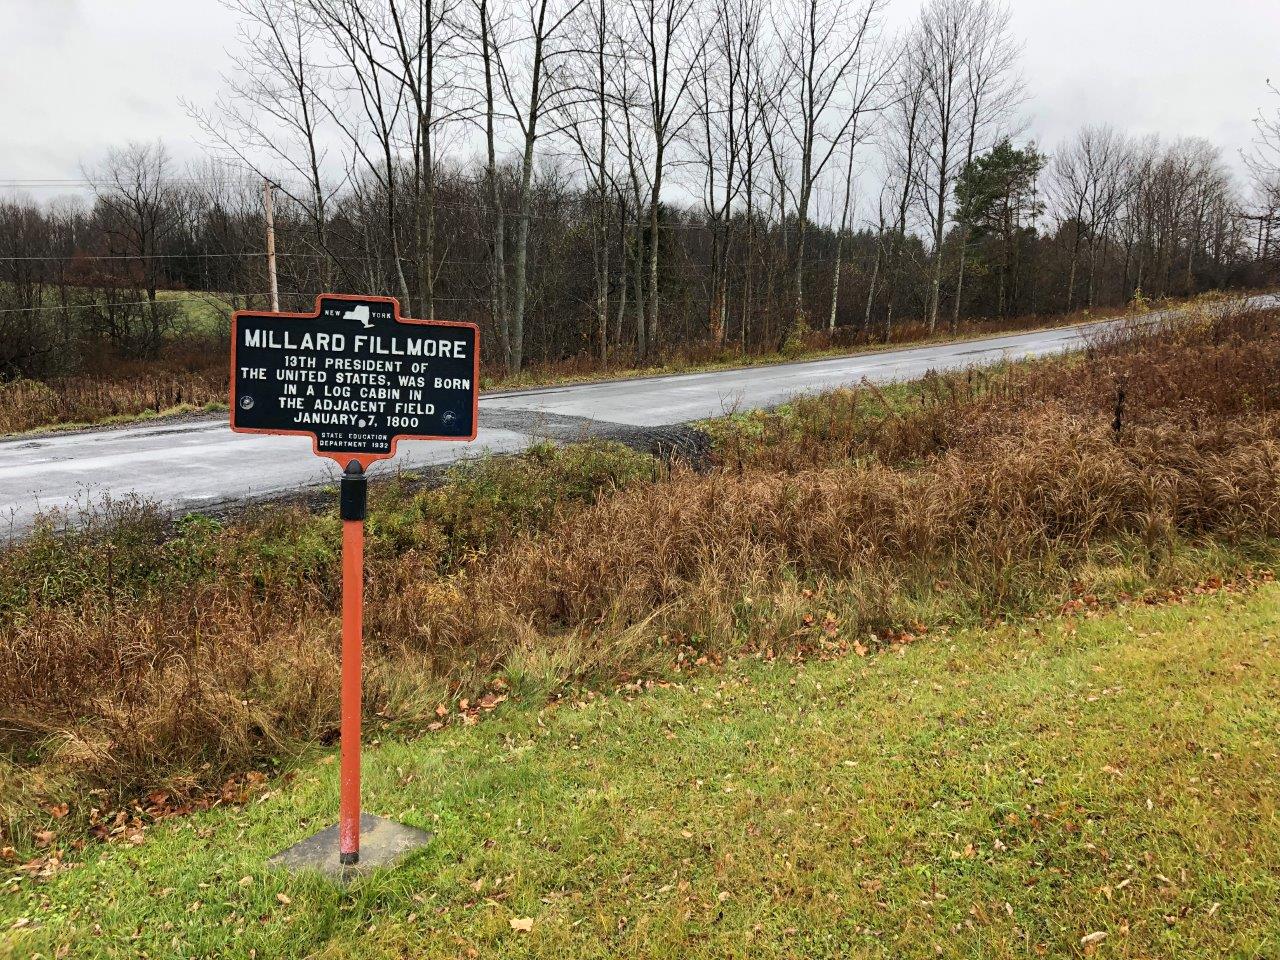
340	457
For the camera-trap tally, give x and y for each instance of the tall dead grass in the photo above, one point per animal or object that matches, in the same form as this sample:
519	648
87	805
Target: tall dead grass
981	515
190	374
154	654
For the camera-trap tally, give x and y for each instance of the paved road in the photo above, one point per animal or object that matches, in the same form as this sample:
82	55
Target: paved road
200	464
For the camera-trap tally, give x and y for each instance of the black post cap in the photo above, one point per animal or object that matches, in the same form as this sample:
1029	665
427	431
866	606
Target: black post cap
354	496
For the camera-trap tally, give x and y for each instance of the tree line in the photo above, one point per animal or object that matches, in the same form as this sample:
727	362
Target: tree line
622	180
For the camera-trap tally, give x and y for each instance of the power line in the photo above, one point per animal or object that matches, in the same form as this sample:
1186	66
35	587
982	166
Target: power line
202	256
207	298
54	182
138	256
116	303
51	183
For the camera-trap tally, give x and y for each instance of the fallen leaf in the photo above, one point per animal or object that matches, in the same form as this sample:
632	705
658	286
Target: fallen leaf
282	898
522	924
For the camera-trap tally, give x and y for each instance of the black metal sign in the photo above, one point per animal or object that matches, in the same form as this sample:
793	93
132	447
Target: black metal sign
355	376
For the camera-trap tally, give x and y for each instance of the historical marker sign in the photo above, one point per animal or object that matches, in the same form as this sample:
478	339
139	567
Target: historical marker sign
355	376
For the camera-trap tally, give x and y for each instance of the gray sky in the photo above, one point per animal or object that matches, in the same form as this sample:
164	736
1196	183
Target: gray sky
78	76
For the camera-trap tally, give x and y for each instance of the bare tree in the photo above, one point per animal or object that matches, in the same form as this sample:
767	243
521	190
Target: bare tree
485	18
26	347
1263	161
753	99
667	46
372	125
139	205
271	118
590	127
940	48
834	73
872	286
1179	212
723	113
1086	183
423	41
719	167
844	225
637	173
532	71
781	192
904	160
1264	156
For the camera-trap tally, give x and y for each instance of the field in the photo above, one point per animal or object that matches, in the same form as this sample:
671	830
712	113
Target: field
982	665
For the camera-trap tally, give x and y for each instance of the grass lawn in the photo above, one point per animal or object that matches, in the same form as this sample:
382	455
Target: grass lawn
985	793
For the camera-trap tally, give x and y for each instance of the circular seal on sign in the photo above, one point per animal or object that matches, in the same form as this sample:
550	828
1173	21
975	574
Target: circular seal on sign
449	417
246	403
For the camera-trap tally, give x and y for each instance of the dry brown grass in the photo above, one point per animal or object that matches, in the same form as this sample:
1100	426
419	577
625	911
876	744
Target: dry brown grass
167	650
191	374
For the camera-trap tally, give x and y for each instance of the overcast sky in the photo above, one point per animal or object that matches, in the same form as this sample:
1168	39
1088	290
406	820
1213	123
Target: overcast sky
78	76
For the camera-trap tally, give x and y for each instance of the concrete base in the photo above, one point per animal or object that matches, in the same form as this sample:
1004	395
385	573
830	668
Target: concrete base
383	843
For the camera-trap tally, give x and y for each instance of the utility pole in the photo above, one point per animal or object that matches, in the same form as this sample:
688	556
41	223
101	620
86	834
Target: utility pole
271	246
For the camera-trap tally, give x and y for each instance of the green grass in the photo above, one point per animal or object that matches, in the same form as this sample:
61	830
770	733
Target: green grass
988	793
200	312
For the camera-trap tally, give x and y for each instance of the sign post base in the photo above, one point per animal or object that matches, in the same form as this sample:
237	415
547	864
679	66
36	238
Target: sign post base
383	843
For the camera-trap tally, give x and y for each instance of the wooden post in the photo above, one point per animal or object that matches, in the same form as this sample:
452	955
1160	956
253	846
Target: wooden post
271	246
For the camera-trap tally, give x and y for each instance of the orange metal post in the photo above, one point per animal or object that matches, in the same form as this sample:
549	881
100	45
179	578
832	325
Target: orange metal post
352	649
